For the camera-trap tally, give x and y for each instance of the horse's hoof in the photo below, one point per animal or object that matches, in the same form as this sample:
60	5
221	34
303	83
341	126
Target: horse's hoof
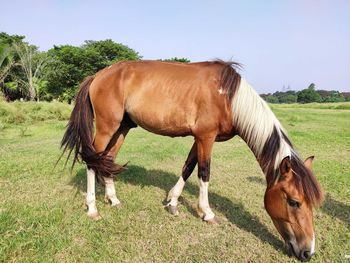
117	205
173	210
109	201
213	221
95	216
200	213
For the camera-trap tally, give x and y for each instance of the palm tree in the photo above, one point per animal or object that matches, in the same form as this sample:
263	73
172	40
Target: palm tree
32	63
6	62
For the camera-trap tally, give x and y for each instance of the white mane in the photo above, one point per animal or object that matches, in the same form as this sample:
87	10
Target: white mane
255	122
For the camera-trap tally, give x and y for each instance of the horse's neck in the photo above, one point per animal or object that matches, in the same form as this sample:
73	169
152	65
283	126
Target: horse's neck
259	128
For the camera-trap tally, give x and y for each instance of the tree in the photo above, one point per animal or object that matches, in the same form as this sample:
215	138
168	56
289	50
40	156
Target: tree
32	62
6	61
331	96
10	39
9	68
111	52
176	59
308	95
286	97
72	64
68	69
346	96
312	86
7	58
272	99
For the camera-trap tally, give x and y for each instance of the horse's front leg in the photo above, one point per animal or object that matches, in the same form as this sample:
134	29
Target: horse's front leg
204	155
187	170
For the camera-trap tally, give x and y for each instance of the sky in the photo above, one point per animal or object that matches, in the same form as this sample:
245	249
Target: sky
281	43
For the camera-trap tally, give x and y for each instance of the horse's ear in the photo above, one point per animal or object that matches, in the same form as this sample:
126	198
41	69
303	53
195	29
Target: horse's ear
308	162
285	166
285	170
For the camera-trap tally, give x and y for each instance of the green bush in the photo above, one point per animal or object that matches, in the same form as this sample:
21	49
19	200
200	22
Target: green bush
29	112
272	99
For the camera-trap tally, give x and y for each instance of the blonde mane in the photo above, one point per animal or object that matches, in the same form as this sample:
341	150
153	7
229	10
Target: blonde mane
258	126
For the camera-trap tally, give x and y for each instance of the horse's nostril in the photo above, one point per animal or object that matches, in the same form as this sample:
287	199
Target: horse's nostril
305	255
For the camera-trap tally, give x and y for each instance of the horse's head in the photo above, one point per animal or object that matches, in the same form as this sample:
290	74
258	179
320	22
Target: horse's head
289	200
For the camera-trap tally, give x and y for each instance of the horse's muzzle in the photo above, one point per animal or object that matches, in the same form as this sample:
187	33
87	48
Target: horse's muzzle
302	255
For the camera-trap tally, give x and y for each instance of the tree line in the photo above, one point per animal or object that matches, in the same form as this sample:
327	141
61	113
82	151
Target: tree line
308	95
30	74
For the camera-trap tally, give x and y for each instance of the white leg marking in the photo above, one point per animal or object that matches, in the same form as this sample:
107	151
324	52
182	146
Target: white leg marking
110	191
313	244
176	191
204	202
90	195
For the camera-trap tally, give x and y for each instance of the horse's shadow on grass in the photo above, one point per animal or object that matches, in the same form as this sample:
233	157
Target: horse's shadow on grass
234	212
336	209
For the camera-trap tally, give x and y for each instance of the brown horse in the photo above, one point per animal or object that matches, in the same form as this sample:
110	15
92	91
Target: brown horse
209	101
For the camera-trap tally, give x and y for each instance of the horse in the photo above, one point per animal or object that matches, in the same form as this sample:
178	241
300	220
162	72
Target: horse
209	101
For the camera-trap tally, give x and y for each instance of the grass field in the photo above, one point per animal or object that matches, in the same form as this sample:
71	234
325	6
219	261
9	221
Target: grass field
42	216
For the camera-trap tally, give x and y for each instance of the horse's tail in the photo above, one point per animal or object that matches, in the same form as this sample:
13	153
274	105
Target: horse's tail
78	137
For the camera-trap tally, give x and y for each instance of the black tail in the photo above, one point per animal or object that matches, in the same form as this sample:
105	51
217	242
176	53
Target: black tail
79	137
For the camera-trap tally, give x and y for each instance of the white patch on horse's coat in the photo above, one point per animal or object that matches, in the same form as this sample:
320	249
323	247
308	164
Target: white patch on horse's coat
176	191
90	194
110	66
312	251
203	200
110	191
255	121
222	91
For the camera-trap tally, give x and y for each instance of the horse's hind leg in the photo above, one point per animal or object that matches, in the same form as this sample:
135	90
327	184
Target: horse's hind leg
90	195
105	128
115	144
91	178
187	170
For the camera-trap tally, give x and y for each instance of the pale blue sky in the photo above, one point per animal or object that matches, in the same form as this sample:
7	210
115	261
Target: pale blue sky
280	43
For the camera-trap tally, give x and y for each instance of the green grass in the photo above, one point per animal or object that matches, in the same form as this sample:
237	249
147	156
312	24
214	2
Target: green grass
42	216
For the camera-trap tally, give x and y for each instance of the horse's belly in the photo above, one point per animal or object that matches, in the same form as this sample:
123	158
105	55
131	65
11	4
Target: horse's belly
167	118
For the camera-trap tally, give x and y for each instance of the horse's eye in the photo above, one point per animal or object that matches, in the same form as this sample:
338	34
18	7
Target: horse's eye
293	203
